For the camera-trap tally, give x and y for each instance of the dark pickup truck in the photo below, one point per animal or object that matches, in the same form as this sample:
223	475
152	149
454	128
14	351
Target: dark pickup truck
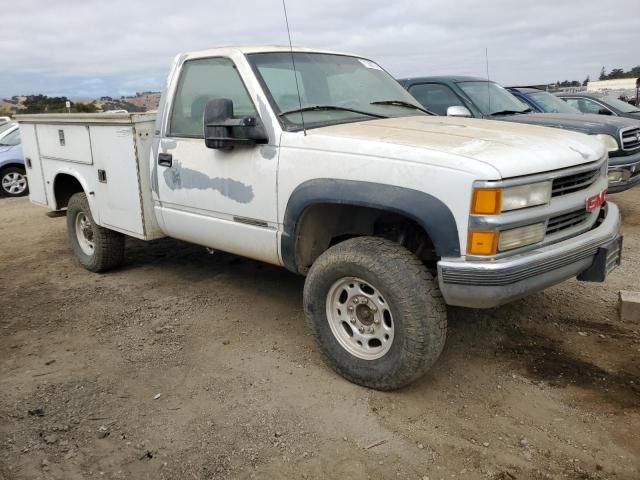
480	98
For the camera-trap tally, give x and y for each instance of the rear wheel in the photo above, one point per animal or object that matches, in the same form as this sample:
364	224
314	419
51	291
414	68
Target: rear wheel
97	248
13	182
376	312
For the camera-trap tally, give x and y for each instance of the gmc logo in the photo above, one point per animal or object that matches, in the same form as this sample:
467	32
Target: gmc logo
596	200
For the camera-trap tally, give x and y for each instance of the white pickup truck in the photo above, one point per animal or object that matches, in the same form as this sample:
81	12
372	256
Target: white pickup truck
322	163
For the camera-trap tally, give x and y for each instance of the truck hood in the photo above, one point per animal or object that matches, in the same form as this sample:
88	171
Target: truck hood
510	149
580	122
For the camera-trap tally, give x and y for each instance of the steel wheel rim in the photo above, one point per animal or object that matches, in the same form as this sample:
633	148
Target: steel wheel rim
14	183
360	318
84	233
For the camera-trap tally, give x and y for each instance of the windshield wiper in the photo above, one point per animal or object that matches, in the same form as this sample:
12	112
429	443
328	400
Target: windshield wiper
402	103
323	108
510	112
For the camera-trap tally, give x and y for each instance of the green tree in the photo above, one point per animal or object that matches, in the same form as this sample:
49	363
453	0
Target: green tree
620	73
586	81
44	104
603	74
616	73
84	107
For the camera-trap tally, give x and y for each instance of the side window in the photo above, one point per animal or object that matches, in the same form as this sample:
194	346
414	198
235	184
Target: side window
587	106
11	139
200	81
435	97
574	103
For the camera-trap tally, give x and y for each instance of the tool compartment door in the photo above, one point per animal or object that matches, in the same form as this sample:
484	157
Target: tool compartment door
117	190
65	142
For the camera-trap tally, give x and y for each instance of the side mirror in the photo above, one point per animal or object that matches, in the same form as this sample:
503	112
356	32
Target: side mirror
604	111
458	111
222	131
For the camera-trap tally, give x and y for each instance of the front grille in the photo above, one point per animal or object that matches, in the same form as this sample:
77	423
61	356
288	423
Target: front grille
630	138
567	220
575	182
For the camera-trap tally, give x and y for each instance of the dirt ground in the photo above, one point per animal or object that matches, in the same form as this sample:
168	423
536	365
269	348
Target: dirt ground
187	365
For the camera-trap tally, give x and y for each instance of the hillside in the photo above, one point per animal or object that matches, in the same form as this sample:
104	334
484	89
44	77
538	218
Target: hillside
140	102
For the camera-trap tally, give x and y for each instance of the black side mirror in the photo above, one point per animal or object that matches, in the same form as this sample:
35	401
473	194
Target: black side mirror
604	111
223	131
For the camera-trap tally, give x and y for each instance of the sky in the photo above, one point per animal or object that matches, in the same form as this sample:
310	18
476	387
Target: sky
92	48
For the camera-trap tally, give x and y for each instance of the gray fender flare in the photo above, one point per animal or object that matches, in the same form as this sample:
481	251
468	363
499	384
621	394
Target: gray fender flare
426	210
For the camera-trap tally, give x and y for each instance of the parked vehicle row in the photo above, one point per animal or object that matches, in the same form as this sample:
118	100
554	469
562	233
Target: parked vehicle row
481	98
323	164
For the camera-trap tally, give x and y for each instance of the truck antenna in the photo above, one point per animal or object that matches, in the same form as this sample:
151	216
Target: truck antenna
486	62
293	62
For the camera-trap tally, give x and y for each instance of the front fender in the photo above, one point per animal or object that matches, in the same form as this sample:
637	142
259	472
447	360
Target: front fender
426	210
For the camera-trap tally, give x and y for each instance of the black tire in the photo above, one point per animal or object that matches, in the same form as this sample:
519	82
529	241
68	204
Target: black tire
108	251
4	175
413	298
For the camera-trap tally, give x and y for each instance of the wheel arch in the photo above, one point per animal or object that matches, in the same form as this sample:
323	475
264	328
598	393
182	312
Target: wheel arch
65	185
12	163
427	211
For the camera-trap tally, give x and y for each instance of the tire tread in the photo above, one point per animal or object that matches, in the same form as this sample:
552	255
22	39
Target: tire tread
109	245
419	299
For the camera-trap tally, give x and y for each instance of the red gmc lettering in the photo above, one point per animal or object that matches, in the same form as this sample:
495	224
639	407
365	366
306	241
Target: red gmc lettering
596	200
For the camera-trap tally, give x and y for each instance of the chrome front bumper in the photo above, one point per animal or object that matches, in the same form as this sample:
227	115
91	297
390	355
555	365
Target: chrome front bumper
484	284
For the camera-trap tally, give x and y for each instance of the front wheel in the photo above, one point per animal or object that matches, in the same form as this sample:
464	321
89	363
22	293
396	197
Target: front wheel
97	248
375	312
13	182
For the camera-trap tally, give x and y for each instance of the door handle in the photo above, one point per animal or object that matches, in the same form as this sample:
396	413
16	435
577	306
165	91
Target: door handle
165	159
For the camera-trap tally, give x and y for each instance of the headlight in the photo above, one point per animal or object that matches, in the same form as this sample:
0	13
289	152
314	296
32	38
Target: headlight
615	176
524	196
494	241
519	237
491	201
610	142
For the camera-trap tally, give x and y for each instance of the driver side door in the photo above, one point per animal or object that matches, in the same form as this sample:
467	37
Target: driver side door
224	199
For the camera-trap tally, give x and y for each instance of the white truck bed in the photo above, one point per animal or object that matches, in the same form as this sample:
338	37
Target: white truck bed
108	151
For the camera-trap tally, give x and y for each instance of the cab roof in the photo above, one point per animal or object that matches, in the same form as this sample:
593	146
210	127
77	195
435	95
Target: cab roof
247	49
526	89
442	79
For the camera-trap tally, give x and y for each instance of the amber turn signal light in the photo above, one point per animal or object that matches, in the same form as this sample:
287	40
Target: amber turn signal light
486	201
482	243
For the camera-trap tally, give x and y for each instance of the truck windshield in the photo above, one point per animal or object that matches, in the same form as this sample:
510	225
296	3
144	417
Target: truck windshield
333	89
492	99
552	104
